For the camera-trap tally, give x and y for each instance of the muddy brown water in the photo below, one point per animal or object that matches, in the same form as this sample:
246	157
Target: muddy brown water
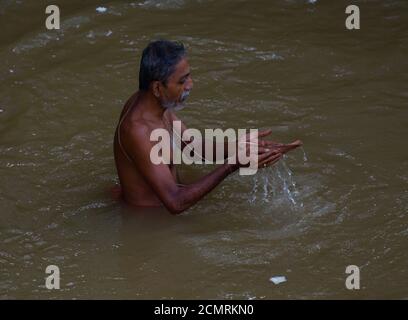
287	65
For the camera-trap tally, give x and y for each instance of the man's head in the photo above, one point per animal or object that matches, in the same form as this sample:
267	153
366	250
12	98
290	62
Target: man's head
165	71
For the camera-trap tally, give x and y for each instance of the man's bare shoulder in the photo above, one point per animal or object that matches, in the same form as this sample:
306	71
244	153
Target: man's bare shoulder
136	130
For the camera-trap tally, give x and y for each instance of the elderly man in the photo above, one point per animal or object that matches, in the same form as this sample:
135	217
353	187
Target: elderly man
164	84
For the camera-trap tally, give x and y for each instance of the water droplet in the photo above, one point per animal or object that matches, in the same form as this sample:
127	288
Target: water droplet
304	154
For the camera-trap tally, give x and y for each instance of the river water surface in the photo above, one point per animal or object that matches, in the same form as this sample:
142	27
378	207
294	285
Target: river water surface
289	65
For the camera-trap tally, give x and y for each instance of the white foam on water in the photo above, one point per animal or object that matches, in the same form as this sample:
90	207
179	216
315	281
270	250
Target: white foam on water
42	39
162	4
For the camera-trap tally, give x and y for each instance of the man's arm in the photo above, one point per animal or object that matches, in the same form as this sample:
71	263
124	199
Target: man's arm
225	147
175	198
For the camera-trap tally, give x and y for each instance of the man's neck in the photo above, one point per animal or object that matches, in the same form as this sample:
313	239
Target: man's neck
152	107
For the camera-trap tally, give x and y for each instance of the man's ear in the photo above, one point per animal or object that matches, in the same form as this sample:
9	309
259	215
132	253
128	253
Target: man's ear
156	88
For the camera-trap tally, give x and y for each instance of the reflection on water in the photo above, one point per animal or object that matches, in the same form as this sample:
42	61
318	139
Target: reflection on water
286	65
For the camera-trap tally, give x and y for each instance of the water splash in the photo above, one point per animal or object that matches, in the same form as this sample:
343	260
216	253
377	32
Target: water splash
304	154
265	188
287	182
254	190
277	182
288	173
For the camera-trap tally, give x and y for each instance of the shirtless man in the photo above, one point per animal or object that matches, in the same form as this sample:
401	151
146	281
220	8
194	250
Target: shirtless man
164	84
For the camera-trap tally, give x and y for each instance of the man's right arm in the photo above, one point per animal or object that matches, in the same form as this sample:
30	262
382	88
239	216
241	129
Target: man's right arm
176	198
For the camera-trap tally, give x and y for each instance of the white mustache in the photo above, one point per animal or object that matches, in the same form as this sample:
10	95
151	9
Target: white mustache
184	95
174	104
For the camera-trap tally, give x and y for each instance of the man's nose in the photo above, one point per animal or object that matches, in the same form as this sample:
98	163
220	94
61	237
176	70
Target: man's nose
189	85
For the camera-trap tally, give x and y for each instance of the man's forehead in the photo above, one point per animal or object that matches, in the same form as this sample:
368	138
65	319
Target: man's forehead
182	68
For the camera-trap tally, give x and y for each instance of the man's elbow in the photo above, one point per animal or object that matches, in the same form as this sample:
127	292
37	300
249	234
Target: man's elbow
176	202
175	208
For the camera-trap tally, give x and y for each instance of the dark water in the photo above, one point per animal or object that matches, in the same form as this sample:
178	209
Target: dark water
288	65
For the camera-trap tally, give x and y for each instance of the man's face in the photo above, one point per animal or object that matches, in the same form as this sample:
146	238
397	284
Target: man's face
178	86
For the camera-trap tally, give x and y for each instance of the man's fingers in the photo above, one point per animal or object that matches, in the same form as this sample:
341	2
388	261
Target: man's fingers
272	162
265	156
269	144
271	158
273	144
296	143
264	133
287	147
269	161
265	145
263	150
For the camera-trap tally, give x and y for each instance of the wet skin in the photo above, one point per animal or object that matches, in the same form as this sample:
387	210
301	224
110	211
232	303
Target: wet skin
144	184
